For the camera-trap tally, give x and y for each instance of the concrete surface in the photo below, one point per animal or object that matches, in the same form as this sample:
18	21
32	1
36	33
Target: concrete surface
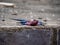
46	9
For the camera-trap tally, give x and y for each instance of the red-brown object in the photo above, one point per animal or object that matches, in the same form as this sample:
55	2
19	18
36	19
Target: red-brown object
32	22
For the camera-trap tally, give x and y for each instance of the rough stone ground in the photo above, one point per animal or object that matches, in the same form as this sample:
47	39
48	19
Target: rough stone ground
47	9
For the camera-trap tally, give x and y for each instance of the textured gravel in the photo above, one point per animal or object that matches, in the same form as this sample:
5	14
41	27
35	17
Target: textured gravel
47	9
